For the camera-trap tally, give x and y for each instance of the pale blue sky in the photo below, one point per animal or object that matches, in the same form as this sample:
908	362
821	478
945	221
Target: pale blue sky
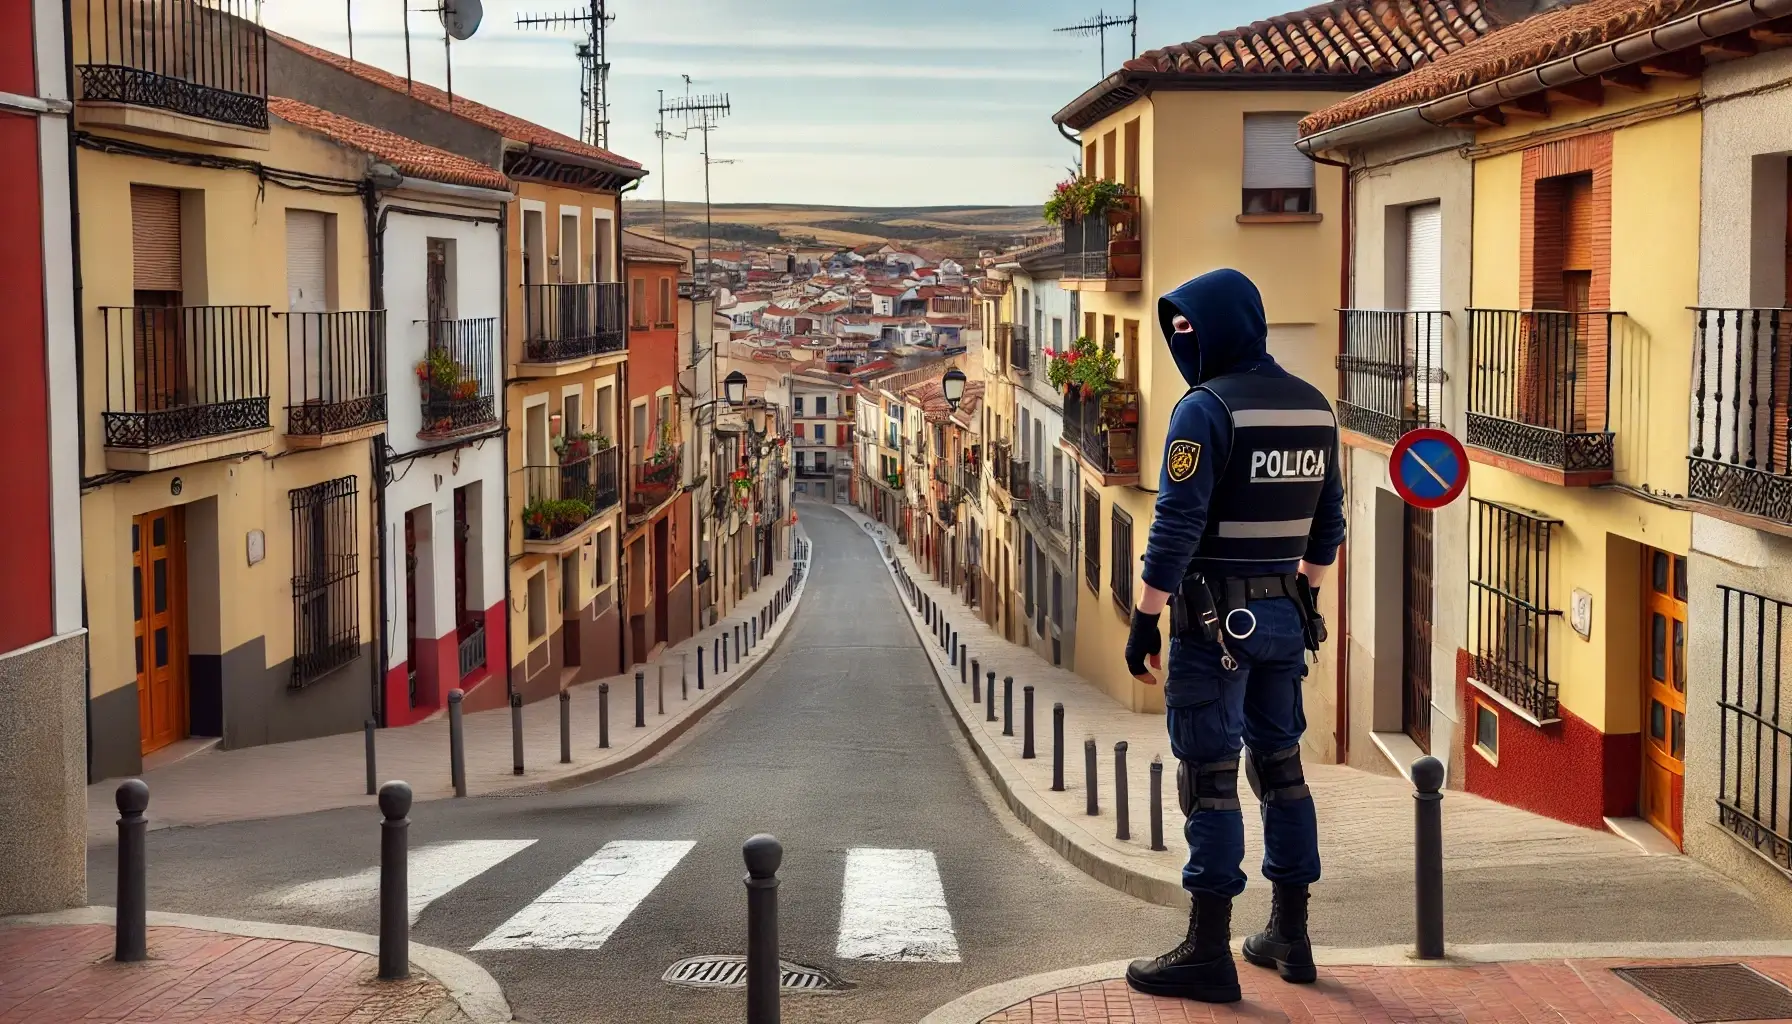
918	102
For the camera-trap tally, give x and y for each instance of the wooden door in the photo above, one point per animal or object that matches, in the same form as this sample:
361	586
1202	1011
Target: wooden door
1415	636
159	600
1664	690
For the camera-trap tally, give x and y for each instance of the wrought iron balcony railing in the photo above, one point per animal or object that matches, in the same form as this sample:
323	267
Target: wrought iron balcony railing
1020	480
1741	452
657	476
559	499
1104	246
1020	349
1104	429
456	374
201	58
815	470
970	480
942	472
472	648
572	321
335	370
1000	452
184	373
1539	386
1045	506
1391	377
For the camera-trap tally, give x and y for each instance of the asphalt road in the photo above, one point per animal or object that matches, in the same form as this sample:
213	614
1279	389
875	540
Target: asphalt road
841	743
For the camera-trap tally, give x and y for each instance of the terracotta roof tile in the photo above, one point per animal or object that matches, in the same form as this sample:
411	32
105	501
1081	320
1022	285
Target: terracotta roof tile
508	125
1514	48
407	155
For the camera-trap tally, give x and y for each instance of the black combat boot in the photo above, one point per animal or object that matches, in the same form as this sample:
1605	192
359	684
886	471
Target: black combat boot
1201	967
1283	943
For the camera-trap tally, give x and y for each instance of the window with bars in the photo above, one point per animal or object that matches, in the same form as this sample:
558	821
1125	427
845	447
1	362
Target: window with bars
1120	562
1755	743
326	610
1092	539
1510	618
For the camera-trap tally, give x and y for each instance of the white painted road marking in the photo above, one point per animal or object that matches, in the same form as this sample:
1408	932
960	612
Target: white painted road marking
435	871
893	908
586	906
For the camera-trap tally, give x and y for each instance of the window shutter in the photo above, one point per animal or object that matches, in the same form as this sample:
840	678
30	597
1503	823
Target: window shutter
1424	257
305	275
155	238
1577	211
1270	159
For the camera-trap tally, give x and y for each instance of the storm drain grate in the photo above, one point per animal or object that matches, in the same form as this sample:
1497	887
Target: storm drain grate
1709	993
727	970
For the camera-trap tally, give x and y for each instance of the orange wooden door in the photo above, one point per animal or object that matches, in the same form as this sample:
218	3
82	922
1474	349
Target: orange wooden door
1664	690
159	597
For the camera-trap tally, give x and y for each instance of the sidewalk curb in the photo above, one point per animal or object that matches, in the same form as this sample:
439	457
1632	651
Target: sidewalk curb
680	724
468	984
973	1007
1058	832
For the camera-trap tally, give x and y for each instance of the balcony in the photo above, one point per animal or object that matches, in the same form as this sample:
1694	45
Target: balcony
1000	452
1390	377
567	324
1020	480
190	68
1539	391
893	480
970	481
1102	252
1741	453
1020	348
561	500
184	384
336	376
455	377
942	472
1104	433
658	475
814	470
1045	507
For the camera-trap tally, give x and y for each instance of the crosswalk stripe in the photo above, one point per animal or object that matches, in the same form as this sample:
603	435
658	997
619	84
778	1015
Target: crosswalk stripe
586	906
435	871
893	908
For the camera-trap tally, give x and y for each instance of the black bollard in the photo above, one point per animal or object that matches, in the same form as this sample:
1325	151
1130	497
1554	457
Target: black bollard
1057	748
1026	743
1428	849
724	667
1157	802
976	687
659	685
737	643
976	673
565	727
457	745
684	677
367	732
516	734
1122	824
989	693
130	939
1007	705
953	642
395	883
716	657
603	716
763	855
958	658
640	699
699	670
1094	805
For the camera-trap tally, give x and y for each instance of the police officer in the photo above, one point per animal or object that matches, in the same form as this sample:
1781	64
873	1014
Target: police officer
1250	513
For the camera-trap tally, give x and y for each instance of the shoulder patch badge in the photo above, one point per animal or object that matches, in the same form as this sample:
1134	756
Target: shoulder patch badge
1185	456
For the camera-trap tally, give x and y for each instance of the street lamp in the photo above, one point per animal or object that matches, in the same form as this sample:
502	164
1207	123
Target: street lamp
953	385
735	385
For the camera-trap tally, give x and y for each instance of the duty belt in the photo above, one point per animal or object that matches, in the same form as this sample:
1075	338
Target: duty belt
1214	608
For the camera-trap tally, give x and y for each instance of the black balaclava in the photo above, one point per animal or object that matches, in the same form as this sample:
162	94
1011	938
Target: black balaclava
1230	330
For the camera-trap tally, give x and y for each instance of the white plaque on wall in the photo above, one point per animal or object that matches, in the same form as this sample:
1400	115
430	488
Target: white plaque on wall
1580	613
258	546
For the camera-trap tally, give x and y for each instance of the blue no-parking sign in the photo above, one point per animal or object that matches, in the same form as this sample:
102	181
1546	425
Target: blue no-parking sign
1429	467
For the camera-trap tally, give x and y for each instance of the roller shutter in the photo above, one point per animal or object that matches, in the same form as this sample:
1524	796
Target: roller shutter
155	239
306	278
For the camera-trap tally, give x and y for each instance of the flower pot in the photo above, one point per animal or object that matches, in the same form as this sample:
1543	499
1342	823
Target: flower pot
1125	259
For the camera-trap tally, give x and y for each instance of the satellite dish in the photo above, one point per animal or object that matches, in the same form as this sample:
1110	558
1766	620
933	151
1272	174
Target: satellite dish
461	17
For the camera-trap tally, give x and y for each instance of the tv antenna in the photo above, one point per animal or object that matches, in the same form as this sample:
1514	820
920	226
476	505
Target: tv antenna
660	132
708	110
594	66
1098	26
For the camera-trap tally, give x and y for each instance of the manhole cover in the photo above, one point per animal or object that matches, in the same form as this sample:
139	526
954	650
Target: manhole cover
726	970
1709	993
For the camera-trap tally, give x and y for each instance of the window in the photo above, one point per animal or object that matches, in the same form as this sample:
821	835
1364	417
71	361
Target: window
1057	334
1130	173
326	611
1487	732
600	559
1753	785
1092	539
799	405
821	433
1120	569
439	279
821	406
538	605
1509	614
637	301
1277	177
1057	597
666	318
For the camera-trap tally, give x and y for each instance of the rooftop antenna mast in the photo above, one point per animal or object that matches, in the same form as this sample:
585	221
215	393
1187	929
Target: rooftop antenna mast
662	134
594	66
1098	26
707	110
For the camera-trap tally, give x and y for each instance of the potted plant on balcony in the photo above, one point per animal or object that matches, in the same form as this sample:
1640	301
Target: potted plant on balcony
1084	370
548	518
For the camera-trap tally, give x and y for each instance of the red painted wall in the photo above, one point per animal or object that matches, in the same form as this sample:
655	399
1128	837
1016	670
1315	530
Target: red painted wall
25	567
438	662
1567	770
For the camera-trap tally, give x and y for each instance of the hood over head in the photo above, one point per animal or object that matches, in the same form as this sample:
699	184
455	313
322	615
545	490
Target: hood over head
1230	330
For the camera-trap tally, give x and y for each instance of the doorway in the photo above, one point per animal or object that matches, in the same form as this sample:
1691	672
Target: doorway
570	612
662	569
1664	691
410	605
159	601
1415	637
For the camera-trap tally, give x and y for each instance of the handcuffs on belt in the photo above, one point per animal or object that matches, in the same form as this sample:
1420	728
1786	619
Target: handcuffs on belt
1214	627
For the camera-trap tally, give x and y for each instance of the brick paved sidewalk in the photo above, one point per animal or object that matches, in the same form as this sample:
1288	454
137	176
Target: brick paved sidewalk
1565	991
55	973
330	772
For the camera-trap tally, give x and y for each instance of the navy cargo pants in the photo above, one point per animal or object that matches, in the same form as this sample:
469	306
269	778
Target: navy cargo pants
1212	714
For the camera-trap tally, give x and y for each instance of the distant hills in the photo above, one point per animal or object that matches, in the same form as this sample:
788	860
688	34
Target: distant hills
951	230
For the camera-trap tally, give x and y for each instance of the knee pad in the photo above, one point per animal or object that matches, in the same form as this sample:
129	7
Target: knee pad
1277	776
1210	786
